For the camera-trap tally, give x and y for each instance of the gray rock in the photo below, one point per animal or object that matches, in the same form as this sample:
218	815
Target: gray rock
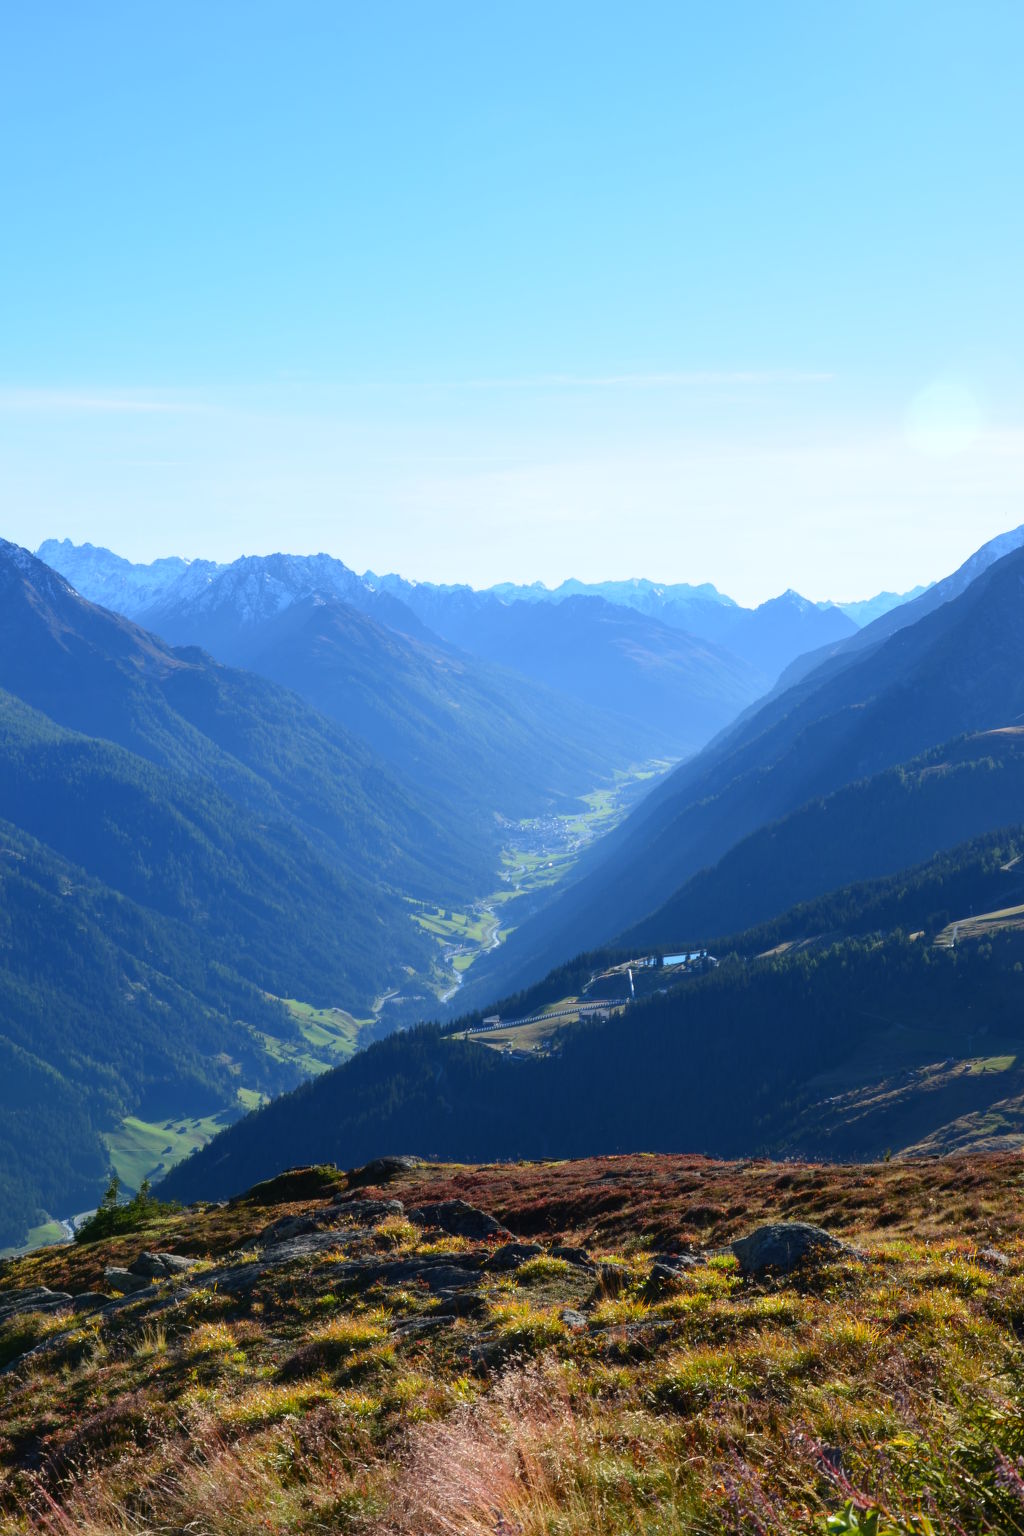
449	1277
462	1304
679	1261
784	1246
306	1246
32	1298
578	1256
415	1326
148	1293
511	1255
156	1266
89	1301
380	1170
237	1278
286	1227
572	1318
124	1280
458	1219
365	1211
663	1280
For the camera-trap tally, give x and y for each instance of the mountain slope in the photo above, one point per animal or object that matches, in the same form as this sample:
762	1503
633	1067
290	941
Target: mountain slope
742	1061
766	638
108	1009
860	832
484	739
605	656
91	671
829	659
959	669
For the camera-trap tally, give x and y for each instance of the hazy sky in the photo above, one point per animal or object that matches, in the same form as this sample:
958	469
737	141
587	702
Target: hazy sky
476	292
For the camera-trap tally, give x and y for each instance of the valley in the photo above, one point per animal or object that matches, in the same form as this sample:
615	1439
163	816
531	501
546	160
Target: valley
538	854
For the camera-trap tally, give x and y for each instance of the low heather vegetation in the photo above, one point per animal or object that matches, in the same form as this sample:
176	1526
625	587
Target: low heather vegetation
372	1354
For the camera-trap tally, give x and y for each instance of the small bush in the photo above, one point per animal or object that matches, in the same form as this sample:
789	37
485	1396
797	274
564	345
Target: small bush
113	1217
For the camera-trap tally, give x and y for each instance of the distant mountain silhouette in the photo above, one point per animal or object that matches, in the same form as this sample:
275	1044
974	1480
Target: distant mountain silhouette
646	689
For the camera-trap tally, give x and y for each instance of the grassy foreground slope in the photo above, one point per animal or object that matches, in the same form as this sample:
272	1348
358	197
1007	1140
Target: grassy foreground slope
617	1372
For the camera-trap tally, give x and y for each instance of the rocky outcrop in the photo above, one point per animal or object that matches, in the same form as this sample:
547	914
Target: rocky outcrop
783	1246
158	1266
32	1298
144	1270
511	1255
381	1170
458	1219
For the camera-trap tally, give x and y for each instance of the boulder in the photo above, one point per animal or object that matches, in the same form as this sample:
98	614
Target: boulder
511	1255
157	1266
381	1169
462	1304
125	1280
663	1280
286	1227
458	1219
784	1246
366	1211
89	1301
578	1256
32	1298
573	1319
449	1277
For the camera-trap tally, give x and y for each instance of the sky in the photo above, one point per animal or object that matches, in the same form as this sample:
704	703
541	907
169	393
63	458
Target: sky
484	292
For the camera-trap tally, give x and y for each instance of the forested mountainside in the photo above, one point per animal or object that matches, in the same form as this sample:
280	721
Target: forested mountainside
959	669
109	1009
858	1040
149	922
93	672
888	822
200	844
736	1064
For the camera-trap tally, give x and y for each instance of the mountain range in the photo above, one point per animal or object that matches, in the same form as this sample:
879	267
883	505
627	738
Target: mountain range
247	797
538	685
186	600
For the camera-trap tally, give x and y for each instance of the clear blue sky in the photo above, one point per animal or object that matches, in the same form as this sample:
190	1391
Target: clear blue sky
481	291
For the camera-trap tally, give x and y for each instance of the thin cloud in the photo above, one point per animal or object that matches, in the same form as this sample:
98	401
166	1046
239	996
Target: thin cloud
70	402
684	380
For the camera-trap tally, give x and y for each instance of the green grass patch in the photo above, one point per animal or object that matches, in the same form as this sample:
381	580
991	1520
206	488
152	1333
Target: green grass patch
147	1149
992	1064
43	1236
